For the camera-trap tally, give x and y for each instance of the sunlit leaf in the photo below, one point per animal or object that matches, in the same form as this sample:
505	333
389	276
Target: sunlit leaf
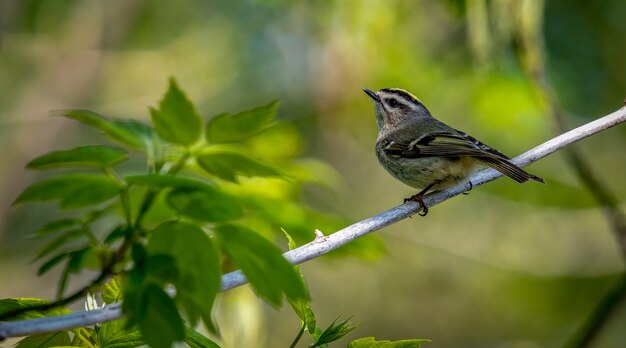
194	339
197	261
112	291
160	323
263	264
55	339
114	334
91	156
119	131
370	342
176	120
225	128
227	165
73	191
210	205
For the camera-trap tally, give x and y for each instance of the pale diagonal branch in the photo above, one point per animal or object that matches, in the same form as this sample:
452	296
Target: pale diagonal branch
323	244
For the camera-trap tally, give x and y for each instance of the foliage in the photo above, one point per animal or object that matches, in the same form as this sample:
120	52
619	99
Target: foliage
177	225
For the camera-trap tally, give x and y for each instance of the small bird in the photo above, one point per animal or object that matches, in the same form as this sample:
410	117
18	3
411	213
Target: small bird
426	153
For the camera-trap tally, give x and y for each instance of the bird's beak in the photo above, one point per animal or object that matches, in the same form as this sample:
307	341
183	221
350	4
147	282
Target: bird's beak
371	94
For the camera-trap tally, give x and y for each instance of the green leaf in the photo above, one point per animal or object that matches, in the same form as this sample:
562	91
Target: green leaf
48	265
263	264
59	241
56	226
163	181
210	205
112	291
226	128
114	334
55	339
176	120
194	339
227	165
73	191
370	342
91	156
160	323
198	264
334	332
126	132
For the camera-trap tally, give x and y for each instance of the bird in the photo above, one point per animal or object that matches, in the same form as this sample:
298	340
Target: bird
427	154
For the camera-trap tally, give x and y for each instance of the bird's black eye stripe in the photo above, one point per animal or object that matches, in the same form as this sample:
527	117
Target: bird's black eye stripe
392	102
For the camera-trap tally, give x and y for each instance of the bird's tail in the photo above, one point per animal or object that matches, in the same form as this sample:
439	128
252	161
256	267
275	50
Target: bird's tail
509	169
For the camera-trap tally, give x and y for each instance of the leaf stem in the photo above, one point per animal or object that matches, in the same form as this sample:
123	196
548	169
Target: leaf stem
297	339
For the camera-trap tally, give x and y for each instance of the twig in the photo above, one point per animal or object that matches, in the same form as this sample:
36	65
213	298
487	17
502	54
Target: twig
324	245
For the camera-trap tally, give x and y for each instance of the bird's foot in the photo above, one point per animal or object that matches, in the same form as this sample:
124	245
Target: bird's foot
419	198
469	189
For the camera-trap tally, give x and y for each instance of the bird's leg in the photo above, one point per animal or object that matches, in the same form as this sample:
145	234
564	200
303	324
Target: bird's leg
419	198
469	189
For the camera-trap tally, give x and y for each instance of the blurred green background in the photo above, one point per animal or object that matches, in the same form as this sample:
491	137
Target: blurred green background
507	266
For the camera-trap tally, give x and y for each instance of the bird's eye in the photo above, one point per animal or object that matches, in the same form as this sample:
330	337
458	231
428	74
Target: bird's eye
392	102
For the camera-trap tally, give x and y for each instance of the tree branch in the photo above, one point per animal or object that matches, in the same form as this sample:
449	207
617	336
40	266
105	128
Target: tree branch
323	244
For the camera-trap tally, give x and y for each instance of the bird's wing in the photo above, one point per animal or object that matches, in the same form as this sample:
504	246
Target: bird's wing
447	144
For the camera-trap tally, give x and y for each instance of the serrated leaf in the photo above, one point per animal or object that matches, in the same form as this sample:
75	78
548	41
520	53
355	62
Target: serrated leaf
226	128
176	120
197	261
194	339
90	156
114	334
370	342
112	291
210	205
72	191
117	130
227	165
160	323
162	181
269	273
55	339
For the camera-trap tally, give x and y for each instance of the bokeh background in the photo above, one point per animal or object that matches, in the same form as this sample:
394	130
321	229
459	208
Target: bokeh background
506	266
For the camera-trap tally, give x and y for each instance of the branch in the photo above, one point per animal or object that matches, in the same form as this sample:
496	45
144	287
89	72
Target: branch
323	244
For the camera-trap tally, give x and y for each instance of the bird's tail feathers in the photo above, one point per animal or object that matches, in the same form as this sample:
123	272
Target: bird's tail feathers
509	169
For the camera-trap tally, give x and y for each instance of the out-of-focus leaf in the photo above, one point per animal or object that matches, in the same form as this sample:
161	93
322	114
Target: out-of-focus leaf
198	265
334	332
55	339
162	269
554	194
59	241
48	265
194	339
155	180
56	226
91	156
114	334
160	323
73	191
227	165
116	130
284	133
263	264
226	128
112	291
370	342
117	233
176	120
209	205
302	308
